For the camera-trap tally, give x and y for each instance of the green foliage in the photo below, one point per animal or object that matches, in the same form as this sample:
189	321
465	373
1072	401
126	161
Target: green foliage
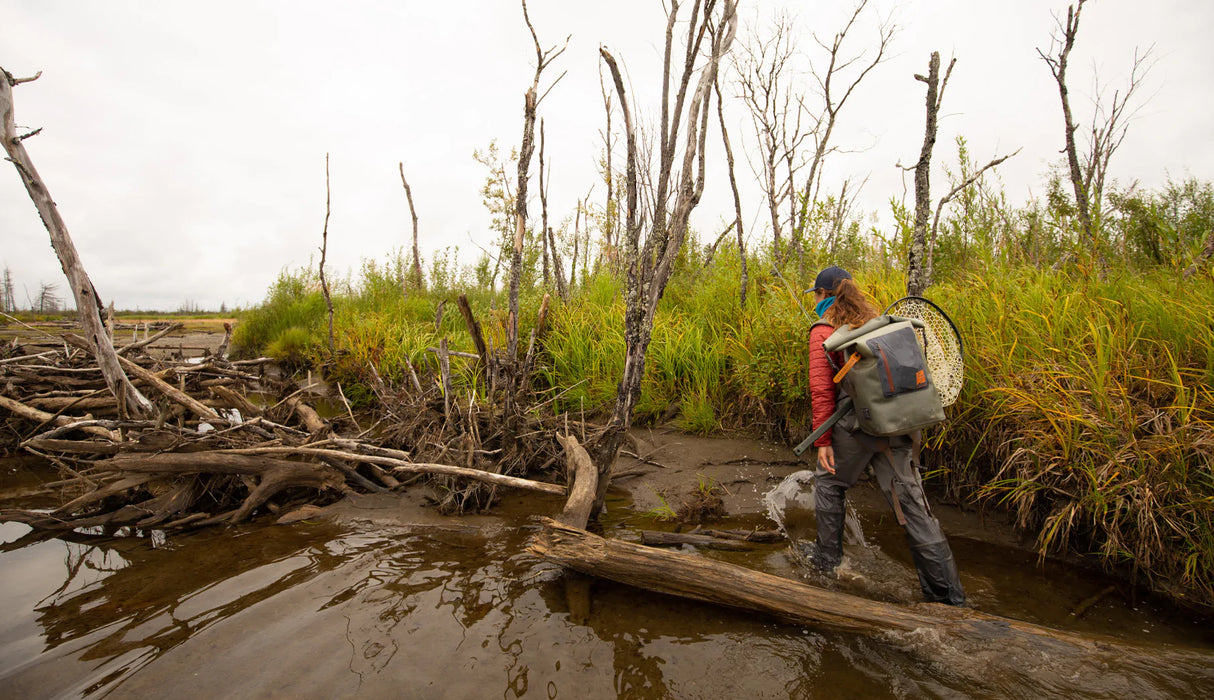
1167	227
290	348
294	301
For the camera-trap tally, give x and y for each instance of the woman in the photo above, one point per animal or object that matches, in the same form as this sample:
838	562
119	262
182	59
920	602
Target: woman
845	451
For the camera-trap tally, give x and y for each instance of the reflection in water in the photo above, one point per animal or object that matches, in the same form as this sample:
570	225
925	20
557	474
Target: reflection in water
318	610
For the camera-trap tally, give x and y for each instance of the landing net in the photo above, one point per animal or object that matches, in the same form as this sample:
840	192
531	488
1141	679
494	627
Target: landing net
944	351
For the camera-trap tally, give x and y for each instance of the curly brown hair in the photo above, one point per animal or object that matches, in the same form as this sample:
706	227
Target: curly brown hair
852	306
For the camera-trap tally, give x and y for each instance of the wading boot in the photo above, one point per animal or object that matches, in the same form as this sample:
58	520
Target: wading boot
828	550
938	573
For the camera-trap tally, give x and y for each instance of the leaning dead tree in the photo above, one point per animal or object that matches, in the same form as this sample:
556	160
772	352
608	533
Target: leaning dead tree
743	277
416	273
88	304
679	184
324	251
1088	170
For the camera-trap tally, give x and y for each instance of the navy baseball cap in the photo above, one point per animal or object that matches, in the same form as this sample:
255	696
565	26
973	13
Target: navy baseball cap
830	278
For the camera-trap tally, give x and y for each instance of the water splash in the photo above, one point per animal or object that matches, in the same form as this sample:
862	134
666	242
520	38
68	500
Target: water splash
791	506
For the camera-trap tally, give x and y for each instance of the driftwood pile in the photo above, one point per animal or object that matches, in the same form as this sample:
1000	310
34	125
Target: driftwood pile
228	441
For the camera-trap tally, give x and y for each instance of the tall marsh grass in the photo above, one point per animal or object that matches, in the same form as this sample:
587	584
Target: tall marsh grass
1088	410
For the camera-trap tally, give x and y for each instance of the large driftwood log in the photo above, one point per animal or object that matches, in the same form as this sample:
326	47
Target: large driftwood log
83	291
700	578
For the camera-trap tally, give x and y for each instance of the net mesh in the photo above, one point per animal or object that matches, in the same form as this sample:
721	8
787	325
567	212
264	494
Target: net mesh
944	356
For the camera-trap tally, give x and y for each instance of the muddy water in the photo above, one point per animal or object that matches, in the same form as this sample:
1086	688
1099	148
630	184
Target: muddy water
390	600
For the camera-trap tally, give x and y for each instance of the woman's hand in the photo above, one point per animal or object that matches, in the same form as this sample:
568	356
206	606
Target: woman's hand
826	458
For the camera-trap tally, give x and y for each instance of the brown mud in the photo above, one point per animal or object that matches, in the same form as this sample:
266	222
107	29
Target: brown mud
381	596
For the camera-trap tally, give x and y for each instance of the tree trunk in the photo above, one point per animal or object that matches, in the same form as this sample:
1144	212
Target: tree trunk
918	267
88	305
648	269
324	250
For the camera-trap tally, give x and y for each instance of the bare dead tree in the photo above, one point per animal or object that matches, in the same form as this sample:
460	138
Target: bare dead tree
549	238
417	258
544	209
743	280
835	96
1110	124
677	192
8	299
88	303
916	265
611	212
920	267
324	249
49	300
765	83
531	101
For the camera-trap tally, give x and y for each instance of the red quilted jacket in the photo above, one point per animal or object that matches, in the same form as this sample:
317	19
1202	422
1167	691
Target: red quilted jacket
822	389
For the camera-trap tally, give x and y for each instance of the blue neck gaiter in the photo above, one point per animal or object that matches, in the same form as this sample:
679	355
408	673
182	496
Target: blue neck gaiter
823	305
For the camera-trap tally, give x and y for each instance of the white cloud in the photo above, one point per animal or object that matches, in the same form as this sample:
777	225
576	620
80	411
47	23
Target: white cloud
185	142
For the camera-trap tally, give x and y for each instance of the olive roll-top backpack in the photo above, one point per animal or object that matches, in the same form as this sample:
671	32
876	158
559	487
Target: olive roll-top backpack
887	376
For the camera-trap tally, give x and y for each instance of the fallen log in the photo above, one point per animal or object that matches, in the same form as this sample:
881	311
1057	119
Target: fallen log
657	538
30	413
766	536
148	341
275	474
707	580
236	400
84	447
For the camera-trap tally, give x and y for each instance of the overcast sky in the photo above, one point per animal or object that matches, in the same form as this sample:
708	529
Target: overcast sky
185	141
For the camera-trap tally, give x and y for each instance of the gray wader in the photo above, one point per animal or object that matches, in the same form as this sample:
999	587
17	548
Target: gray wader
900	484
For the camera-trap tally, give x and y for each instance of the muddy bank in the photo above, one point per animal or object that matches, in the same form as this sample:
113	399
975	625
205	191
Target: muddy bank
381	596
